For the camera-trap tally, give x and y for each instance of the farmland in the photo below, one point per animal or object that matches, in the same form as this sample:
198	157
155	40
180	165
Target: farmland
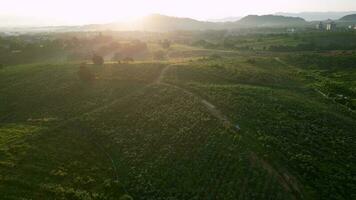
188	122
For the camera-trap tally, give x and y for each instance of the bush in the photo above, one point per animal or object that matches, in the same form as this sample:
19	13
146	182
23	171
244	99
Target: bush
98	60
85	74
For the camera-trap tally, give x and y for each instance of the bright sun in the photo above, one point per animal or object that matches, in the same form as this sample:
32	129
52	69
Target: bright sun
101	11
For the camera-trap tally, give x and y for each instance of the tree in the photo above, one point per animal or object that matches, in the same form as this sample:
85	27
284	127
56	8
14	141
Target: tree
97	60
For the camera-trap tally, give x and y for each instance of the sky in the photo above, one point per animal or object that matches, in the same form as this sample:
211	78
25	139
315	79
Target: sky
102	11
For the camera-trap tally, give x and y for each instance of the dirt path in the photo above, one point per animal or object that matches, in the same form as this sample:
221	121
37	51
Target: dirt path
210	107
162	74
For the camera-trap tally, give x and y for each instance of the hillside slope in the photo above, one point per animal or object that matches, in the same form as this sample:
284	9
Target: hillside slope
270	20
349	18
168	131
127	133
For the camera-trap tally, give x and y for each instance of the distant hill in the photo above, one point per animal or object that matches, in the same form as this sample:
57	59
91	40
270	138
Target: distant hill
317	16
349	18
162	23
270	20
157	22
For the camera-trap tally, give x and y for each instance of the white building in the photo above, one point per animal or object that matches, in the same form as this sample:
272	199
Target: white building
352	27
330	25
320	26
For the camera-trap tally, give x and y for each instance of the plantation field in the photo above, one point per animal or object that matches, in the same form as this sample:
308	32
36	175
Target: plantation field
199	124
125	133
284	117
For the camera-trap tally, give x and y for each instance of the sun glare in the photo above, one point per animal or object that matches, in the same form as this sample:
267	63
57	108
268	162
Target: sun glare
84	11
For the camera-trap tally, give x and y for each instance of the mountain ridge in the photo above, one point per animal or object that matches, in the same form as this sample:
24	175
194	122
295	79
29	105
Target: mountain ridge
164	23
351	17
317	16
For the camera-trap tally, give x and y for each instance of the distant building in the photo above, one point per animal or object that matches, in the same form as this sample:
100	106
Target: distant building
330	25
291	30
320	26
352	27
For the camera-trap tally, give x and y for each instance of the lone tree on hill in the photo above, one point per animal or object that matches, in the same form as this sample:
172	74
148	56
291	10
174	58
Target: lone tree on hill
97	60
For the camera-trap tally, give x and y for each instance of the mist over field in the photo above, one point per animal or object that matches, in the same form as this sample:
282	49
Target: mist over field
165	99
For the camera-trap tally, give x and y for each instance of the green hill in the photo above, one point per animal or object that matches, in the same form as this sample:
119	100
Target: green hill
349	18
270	20
162	23
158	22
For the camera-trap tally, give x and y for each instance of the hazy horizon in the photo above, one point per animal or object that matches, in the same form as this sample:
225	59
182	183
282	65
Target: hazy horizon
65	12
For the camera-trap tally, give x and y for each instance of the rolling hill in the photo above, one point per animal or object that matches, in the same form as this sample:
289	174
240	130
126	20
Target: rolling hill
349	18
163	23
157	22
270	20
317	16
207	124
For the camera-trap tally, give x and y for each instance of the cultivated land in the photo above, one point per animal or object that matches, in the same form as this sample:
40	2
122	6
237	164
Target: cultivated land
167	129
